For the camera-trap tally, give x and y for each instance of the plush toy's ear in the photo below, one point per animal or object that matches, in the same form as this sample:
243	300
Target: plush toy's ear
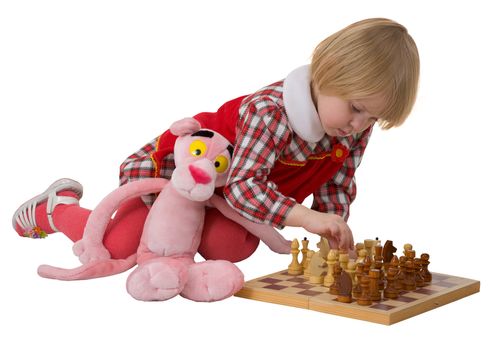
185	126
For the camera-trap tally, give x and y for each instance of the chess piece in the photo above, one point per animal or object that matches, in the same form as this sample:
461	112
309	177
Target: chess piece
419	280
406	248
295	268
410	255
343	259
351	270
374	291
304	251
378	264
367	264
390	291
364	299
425	270
345	288
358	247
409	280
361	255
306	272
356	292
401	273
335	287
331	260
324	247
394	263
368	245
388	252
318	264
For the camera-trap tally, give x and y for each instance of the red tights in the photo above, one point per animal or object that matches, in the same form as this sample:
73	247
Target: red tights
221	238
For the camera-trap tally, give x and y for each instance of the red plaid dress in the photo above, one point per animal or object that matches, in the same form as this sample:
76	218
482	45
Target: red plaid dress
263	137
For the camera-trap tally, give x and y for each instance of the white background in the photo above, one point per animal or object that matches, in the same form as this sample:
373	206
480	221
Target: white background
83	84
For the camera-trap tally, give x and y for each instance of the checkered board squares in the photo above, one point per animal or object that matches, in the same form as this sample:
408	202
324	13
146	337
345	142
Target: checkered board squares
285	289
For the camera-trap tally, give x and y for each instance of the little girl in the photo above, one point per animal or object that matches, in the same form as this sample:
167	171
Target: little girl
302	135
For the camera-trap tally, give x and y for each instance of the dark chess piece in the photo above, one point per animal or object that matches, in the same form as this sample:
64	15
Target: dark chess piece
364	299
391	275
401	272
345	288
378	265
397	284
356	292
367	264
388	252
374	290
419	280
425	268
335	287
409	280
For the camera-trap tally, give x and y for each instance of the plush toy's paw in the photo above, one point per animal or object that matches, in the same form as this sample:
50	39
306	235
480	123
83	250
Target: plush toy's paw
159	279
87	252
212	280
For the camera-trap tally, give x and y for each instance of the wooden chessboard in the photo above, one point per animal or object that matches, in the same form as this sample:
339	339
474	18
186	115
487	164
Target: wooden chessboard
282	288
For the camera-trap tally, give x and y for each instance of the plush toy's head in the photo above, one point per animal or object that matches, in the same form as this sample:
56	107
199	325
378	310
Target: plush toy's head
202	160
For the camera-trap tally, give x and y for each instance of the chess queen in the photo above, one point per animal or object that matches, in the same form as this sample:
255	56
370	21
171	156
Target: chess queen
303	135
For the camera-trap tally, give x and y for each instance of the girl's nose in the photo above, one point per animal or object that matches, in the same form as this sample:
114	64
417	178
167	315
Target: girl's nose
358	122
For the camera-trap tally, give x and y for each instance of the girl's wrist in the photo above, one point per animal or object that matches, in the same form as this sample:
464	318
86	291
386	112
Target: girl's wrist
297	216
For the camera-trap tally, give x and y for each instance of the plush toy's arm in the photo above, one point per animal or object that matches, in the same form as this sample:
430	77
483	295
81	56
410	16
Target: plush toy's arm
90	247
272	238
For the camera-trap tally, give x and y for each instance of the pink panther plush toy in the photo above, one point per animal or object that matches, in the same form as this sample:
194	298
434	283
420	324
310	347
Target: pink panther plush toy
172	230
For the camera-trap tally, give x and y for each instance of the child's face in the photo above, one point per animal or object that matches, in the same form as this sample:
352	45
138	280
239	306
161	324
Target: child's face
342	118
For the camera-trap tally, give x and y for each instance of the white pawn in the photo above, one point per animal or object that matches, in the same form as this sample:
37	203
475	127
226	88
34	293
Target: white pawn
331	260
306	272
406	248
343	260
361	256
351	270
295	268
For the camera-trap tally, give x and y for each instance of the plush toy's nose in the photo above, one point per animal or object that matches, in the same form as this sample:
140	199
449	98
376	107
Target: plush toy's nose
199	175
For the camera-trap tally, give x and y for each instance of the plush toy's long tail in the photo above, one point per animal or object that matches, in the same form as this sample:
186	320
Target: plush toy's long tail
94	256
93	269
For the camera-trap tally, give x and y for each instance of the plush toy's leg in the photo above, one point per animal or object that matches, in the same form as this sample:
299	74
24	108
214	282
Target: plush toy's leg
223	239
212	280
123	232
159	278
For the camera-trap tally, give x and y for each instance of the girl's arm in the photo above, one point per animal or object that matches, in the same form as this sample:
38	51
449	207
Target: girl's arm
262	134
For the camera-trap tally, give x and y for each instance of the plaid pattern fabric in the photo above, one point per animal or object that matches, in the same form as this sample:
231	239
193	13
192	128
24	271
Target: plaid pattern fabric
337	195
263	136
140	165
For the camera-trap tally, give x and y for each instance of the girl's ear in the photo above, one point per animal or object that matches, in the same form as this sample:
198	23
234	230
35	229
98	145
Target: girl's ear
184	127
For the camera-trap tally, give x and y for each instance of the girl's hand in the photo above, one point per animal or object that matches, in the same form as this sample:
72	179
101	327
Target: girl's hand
330	226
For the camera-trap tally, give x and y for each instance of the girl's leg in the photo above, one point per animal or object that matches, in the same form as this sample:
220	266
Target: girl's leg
223	239
57	209
123	232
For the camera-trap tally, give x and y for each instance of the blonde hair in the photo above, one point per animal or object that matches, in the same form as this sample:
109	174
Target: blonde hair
368	58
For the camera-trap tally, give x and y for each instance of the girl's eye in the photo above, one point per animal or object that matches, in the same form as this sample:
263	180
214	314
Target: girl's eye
198	148
355	109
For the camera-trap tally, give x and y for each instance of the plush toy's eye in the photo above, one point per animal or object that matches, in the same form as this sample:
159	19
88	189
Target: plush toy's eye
198	148
221	164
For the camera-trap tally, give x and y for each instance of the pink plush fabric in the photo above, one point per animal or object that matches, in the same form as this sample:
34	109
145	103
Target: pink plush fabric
172	230
222	238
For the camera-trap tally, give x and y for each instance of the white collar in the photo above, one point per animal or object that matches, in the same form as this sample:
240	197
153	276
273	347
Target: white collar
299	106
